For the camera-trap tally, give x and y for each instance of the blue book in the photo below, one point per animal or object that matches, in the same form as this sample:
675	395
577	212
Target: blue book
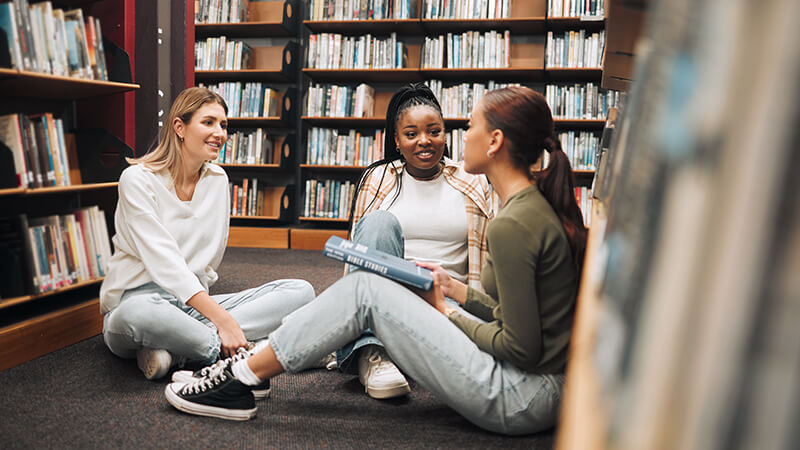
375	261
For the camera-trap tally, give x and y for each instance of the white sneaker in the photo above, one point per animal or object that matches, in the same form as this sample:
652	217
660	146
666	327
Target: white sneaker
380	377
155	362
260	391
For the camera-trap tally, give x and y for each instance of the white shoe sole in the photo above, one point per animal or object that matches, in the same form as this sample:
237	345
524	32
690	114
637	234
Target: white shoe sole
388	392
185	376
204	410
153	363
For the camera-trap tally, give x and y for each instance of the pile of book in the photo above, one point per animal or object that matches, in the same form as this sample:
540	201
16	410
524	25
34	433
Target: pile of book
41	157
47	40
580	101
466	9
247	147
52	252
247	198
220	53
250	99
574	49
459	100
340	101
220	11
575	8
468	50
334	51
328	199
328	146
353	10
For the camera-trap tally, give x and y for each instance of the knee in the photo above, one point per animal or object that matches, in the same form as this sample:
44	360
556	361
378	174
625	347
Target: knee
379	221
304	291
133	313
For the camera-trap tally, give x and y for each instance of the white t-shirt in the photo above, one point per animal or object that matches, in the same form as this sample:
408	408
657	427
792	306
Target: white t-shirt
160	238
434	222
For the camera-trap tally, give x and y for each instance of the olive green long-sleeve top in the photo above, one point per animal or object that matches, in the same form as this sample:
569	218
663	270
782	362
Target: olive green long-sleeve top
531	284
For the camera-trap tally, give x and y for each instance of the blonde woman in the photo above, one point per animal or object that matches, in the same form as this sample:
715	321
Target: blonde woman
171	232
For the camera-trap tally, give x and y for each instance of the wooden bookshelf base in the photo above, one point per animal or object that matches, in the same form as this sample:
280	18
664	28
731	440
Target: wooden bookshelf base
39	336
313	239
258	237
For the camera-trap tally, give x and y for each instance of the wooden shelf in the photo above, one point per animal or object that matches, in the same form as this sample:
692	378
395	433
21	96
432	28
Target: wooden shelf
497	74
573	74
250	166
312	239
580	123
57	189
19	83
379	27
243	29
242	75
333	167
561	24
527	25
244	122
322	219
256	217
583	172
6	302
365	75
346	122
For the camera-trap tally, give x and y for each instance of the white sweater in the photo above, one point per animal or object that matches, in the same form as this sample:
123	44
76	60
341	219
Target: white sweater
178	245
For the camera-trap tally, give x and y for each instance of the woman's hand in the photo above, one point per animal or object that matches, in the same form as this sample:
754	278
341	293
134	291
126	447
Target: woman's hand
450	286
231	337
435	296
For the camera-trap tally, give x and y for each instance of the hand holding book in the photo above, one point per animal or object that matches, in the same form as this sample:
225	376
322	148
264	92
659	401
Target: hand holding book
450	286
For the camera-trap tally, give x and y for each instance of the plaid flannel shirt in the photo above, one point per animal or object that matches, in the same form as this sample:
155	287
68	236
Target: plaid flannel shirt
478	201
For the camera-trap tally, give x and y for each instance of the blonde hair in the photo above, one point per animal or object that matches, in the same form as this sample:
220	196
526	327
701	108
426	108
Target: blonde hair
167	154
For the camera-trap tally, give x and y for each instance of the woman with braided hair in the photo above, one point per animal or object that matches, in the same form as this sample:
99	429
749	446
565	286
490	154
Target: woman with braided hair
504	370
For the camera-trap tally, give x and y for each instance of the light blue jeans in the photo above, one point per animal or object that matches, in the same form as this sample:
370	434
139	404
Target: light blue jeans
149	316
491	393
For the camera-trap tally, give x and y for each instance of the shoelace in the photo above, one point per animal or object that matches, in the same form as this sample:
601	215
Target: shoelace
216	375
381	366
241	354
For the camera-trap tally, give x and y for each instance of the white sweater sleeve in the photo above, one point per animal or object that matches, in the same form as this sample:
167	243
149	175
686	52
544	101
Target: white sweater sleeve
149	240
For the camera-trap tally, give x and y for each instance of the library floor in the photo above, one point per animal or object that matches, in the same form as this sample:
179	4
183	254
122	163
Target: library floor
85	397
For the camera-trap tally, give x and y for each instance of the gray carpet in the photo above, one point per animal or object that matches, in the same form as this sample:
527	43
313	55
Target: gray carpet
85	397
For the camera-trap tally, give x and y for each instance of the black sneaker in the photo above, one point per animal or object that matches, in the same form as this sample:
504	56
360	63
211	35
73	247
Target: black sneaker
260	391
219	394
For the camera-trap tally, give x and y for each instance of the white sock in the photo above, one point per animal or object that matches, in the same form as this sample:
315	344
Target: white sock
259	345
242	371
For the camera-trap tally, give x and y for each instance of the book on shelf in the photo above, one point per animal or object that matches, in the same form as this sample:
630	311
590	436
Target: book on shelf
249	99
340	101
41	157
328	199
468	50
362	10
221	53
576	8
247	147
574	49
8	26
334	51
466	9
375	261
580	101
328	146
220	11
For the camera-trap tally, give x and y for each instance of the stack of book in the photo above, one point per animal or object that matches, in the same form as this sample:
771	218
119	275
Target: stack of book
334	51
330	147
340	101
466	9
574	49
468	50
247	147
580	101
374	9
575	8
250	99
41	157
327	199
220	53
220	11
47	40
54	251
247	197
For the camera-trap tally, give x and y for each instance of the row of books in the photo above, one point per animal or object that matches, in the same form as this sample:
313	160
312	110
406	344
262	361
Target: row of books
328	146
468	50
38	146
340	101
580	147
55	251
575	49
575	8
327	198
459	100
247	147
220	53
220	11
580	101
361	9
583	196
249	99
466	9
455	142
334	51
50	40
247	197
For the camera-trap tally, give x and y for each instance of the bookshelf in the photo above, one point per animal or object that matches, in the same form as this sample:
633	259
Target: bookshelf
92	112
528	24
269	28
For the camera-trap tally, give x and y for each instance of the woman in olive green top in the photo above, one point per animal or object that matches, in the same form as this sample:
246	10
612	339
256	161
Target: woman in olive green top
497	357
